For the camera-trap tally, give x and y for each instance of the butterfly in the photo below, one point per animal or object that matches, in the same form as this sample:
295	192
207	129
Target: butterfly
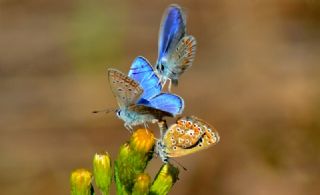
186	136
139	95
176	49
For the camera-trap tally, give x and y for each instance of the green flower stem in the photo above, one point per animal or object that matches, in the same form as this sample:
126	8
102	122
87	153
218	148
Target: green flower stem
164	180
80	181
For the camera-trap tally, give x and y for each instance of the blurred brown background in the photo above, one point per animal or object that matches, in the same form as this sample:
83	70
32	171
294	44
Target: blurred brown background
255	78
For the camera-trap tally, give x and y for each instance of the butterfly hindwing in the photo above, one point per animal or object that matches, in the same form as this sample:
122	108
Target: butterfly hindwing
182	56
142	72
126	90
142	109
166	102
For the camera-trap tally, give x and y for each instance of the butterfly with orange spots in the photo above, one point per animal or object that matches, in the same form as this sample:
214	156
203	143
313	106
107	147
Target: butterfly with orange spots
186	136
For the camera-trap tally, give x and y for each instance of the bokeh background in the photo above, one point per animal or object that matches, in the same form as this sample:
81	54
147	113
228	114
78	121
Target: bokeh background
255	78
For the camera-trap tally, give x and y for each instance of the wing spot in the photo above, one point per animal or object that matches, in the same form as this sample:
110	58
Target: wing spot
189	124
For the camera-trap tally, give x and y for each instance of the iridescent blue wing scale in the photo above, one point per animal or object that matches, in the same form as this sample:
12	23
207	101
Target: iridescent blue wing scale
166	102
172	29
142	72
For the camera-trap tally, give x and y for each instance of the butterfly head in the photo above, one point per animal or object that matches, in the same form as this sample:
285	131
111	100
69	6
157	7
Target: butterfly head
160	67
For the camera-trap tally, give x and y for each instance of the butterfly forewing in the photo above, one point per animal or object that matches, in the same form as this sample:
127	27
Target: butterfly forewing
172	29
126	90
142	72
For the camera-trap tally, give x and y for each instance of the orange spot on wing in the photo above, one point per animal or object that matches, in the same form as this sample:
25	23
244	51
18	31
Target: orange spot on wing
189	124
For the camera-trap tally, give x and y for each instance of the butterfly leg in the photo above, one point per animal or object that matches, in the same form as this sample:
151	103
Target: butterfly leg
163	83
128	127
170	84
155	120
146	127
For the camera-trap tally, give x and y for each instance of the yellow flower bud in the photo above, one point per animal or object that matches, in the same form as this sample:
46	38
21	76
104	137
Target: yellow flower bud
165	179
81	182
142	184
102	172
142	140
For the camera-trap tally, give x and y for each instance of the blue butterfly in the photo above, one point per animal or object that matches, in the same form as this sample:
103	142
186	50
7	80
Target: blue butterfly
176	49
139	95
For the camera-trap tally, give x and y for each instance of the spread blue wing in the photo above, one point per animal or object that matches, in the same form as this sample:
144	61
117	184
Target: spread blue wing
172	29
142	72
167	102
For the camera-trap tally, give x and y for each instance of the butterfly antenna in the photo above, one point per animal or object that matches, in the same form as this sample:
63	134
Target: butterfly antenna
156	139
184	168
146	128
106	111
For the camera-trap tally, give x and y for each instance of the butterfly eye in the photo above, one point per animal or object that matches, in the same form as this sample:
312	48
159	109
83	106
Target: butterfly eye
118	113
162	67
